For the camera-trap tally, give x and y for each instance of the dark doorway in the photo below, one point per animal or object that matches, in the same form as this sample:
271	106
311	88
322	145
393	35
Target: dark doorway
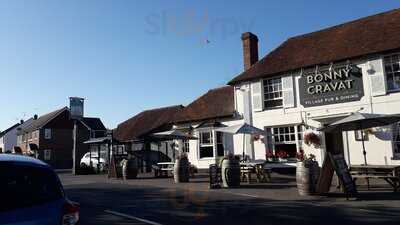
334	142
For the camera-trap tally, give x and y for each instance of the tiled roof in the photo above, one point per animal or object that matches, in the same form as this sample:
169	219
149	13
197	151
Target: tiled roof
94	123
43	120
365	36
216	103
145	123
8	130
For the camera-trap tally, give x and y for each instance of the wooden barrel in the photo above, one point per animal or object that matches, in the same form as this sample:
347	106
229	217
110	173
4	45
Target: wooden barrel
230	172
181	170
130	169
307	174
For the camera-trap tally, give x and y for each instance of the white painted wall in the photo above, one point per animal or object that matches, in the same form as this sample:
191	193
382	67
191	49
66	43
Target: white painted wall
379	151
9	140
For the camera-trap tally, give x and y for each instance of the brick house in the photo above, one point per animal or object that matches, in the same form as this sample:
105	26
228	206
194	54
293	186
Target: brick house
50	137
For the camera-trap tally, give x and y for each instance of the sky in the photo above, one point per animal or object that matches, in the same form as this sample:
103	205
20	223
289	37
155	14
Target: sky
126	56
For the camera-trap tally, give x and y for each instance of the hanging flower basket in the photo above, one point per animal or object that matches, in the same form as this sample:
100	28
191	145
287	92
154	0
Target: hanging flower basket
312	138
256	137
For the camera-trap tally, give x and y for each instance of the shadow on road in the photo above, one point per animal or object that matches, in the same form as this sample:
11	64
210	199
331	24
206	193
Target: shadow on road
191	206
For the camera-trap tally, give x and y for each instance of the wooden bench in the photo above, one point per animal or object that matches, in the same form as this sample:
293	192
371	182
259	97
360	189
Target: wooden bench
387	173
245	172
161	172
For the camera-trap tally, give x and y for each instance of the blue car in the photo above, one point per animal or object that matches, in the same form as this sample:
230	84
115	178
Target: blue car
32	194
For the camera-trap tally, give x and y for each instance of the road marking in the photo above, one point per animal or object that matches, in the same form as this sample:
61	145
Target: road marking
131	217
245	195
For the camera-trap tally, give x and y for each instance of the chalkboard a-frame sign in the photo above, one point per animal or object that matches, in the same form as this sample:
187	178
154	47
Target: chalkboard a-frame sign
342	171
214	176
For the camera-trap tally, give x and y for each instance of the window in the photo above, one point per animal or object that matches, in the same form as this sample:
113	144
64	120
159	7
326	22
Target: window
283	139
47	134
206	144
273	97
392	69
26	186
284	135
186	146
220	144
396	140
47	154
300	135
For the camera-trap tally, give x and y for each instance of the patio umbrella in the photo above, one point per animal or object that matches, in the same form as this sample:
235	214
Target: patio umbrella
361	121
241	129
173	135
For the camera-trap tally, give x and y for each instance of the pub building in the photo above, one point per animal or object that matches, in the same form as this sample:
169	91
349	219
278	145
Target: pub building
314	79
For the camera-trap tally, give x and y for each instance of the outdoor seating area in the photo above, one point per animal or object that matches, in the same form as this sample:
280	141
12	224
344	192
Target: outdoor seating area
257	168
390	174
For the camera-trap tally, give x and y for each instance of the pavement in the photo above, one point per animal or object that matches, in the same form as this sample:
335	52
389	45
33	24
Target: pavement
161	202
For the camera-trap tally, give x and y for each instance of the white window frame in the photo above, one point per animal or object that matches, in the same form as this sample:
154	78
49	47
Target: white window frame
211	144
272	89
298	136
186	146
47	154
47	134
396	148
388	62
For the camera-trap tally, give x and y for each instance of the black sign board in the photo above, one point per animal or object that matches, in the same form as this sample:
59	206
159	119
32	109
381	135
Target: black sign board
342	171
215	174
331	85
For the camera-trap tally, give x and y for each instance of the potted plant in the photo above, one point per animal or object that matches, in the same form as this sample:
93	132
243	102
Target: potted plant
230	170
182	168
307	173
271	157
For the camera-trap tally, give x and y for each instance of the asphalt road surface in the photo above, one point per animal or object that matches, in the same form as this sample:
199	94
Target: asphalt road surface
159	201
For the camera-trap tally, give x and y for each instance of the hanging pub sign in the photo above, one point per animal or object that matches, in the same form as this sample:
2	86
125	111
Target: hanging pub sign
76	107
331	85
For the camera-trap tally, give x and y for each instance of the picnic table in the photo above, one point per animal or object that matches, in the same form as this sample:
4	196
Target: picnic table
258	168
389	173
163	169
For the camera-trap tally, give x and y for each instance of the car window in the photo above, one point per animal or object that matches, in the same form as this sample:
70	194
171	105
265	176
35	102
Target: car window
25	186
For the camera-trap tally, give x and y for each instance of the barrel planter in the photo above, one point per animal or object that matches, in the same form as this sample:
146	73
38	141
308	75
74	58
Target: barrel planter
230	171
181	170
130	169
307	174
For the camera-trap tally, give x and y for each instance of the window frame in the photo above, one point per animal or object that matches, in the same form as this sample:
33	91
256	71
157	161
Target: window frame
266	92
186	146
396	143
214	143
298	133
47	133
47	154
391	64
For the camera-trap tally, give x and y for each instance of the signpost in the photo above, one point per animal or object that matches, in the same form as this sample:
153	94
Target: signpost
331	85
76	113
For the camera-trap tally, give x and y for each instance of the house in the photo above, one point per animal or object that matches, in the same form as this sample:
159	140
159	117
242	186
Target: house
135	133
313	79
214	109
8	138
50	137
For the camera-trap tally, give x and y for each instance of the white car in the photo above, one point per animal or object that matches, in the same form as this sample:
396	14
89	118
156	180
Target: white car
85	161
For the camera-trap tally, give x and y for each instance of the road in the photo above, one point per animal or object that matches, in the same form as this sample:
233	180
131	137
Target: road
155	202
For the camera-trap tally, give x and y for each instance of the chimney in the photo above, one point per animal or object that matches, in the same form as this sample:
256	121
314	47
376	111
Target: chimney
21	121
35	117
250	49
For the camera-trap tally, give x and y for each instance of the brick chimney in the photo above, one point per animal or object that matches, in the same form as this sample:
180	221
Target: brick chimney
250	49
